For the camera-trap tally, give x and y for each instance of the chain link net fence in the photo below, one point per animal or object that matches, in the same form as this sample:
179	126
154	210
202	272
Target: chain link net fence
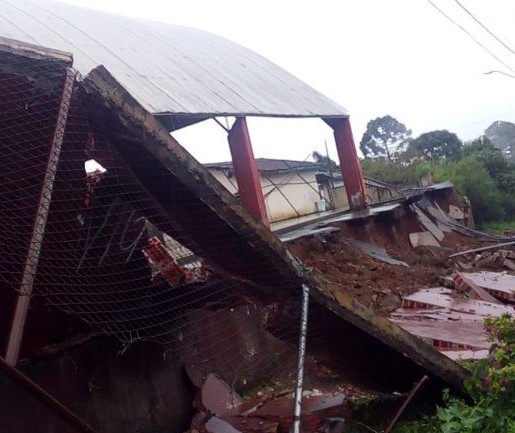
85	235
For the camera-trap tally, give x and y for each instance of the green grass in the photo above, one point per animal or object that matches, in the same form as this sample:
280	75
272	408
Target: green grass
498	227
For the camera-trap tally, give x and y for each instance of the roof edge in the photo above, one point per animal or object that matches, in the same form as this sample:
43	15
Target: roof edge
13	46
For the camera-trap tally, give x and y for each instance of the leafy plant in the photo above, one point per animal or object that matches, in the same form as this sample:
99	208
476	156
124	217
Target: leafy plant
491	386
393	172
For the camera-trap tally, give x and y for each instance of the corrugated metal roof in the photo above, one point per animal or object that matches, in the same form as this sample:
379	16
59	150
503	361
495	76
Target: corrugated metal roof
267	164
168	69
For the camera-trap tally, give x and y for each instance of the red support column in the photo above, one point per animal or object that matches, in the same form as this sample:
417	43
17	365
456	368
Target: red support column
245	170
349	163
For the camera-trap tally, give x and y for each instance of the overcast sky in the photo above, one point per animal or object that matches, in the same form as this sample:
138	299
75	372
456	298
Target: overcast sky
373	57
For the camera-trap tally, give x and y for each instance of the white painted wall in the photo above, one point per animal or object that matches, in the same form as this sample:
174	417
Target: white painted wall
290	195
293	195
287	195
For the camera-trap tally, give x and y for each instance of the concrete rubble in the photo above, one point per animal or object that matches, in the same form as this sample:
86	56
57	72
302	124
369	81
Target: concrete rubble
477	284
220	411
453	319
275	274
423	239
192	272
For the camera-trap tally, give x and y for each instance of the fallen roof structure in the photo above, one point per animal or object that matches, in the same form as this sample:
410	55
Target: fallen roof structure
154	249
156	159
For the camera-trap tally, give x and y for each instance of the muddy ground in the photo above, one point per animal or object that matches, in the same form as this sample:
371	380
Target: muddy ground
375	284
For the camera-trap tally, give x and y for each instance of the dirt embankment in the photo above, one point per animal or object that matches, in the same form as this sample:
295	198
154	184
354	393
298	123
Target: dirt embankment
376	284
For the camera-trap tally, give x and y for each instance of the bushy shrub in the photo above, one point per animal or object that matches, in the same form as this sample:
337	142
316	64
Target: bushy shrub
491	386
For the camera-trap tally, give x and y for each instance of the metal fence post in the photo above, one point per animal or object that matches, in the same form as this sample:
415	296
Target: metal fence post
38	229
302	356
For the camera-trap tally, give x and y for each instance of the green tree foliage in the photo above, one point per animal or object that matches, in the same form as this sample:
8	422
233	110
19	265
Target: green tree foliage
502	135
491	157
393	172
491	386
384	137
472	179
436	145
501	170
478	169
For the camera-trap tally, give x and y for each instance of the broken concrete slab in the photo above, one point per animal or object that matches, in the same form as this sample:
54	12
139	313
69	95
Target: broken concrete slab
316	407
434	314
455	326
218	397
306	231
456	213
462	282
428	224
136	136
500	285
248	407
444	228
423	239
377	253
431	299
467	355
252	425
216	425
448	335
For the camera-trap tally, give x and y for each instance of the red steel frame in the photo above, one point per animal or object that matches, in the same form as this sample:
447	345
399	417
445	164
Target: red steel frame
245	170
349	162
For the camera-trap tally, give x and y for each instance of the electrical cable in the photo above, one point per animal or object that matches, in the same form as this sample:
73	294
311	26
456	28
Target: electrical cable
485	28
471	36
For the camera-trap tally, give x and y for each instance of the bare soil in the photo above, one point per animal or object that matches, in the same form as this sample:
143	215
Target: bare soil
375	284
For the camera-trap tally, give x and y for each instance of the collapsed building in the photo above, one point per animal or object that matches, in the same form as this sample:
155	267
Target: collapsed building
127	290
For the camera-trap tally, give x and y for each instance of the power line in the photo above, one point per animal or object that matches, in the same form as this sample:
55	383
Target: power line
499	72
485	28
470	36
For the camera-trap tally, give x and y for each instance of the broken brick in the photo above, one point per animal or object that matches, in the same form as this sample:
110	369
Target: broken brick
315	408
216	425
252	425
217	397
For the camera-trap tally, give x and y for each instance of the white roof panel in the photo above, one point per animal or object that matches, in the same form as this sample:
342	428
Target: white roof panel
167	68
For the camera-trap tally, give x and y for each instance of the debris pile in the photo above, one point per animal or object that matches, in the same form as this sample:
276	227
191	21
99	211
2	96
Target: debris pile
422	267
494	260
221	409
152	252
453	323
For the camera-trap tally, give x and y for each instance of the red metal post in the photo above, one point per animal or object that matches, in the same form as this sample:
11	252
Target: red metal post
245	170
38	229
349	162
